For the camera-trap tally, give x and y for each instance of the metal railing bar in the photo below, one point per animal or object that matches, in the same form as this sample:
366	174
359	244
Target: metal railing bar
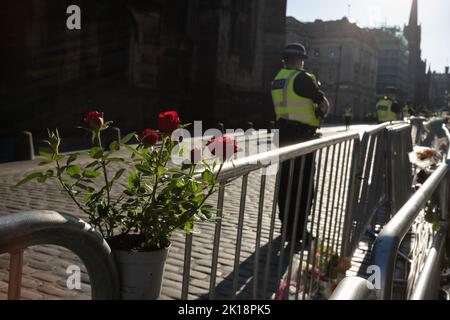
305	228
353	288
285	219
350	204
39	227
427	286
271	231
15	274
258	235
237	253
186	266
343	193
334	208
218	229
387	243
298	199
327	213
319	214
313	215
244	165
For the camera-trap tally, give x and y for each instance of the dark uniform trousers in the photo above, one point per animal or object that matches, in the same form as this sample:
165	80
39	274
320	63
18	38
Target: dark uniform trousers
292	132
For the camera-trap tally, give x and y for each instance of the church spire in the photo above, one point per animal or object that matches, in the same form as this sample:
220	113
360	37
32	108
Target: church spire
413	18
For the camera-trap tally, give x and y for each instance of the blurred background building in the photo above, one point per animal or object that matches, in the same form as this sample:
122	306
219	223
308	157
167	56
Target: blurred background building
344	58
211	60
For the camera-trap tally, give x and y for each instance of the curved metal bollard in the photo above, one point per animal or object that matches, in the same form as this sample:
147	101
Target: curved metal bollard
21	230
353	288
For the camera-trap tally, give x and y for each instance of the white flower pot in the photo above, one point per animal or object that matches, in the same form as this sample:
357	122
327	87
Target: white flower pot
141	273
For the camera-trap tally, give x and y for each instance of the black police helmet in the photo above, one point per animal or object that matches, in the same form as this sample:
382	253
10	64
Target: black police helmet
295	50
391	90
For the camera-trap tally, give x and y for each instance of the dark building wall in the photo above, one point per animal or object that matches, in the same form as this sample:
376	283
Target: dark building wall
211	60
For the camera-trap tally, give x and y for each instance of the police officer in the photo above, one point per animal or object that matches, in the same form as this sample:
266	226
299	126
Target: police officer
348	115
300	107
388	108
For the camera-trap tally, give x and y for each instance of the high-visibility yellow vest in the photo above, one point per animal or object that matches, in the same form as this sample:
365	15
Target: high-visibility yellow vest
384	111
288	105
348	113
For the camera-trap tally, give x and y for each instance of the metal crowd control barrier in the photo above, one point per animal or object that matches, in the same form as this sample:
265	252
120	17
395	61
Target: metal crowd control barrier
399	168
388	242
370	183
331	186
423	281
22	230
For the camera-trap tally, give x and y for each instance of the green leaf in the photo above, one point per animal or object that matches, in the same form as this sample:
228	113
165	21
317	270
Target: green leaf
42	178
72	158
116	159
114	146
132	180
84	187
207	176
161	170
49	173
134	151
43	163
29	177
96	152
73	171
127	138
92	164
91	174
46	154
119	174
87	197
144	169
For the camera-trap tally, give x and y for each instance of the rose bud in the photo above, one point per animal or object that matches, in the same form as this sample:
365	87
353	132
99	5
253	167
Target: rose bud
93	120
168	121
222	147
149	137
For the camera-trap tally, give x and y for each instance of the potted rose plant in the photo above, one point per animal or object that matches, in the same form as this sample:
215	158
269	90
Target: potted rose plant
138	215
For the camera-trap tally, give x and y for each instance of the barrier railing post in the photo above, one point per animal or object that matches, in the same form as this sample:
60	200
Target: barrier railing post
15	274
351	203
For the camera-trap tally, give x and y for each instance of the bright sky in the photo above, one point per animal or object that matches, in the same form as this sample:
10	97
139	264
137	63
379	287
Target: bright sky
434	16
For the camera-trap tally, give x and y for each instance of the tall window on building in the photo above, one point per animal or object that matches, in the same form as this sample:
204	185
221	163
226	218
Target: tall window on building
316	52
332	52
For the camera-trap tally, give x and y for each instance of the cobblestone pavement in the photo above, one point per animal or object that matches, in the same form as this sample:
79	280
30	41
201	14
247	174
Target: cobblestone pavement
44	272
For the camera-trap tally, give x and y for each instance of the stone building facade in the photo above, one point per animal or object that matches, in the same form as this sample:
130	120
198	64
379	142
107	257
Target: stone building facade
438	90
210	60
344	58
393	57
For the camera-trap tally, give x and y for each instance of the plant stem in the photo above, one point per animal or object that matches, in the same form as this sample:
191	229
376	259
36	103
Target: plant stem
58	170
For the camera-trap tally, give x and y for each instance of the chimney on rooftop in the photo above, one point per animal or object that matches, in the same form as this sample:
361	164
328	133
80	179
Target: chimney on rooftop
446	70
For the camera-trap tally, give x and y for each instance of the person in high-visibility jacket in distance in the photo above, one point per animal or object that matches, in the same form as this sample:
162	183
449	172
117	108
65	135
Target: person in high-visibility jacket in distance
388	108
348	115
300	107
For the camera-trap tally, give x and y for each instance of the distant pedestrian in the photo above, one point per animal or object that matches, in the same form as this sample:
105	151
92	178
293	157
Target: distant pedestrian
348	115
300	107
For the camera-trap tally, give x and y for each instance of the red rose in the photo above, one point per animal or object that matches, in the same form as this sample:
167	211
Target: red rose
149	137
93	120
168	121
196	155
223	147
